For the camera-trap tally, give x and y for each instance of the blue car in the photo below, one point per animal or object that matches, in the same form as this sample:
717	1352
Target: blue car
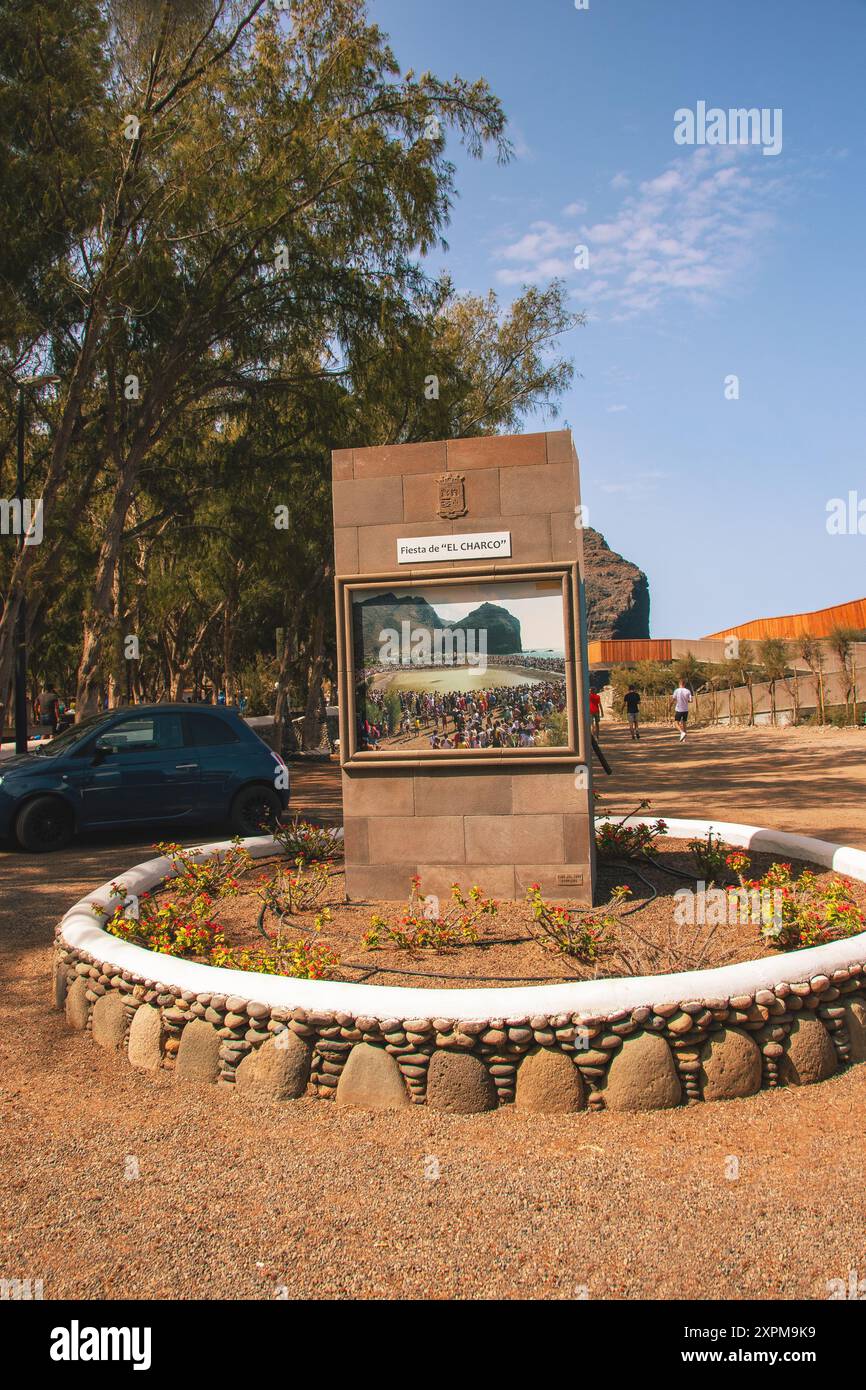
147	763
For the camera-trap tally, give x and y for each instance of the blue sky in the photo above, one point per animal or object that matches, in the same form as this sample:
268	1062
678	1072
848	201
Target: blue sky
704	262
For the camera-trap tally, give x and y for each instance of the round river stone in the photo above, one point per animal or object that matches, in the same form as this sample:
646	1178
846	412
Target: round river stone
77	1005
109	1021
810	1055
459	1083
642	1076
731	1066
855	1021
549	1083
198	1057
371	1078
279	1070
146	1038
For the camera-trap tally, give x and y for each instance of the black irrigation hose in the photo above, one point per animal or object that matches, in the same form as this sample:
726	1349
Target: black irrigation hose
638	907
668	869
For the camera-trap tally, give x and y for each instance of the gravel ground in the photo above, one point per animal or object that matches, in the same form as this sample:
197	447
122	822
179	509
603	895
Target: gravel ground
233	1201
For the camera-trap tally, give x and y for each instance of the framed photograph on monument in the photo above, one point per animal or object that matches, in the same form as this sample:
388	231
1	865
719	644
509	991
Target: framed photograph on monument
470	667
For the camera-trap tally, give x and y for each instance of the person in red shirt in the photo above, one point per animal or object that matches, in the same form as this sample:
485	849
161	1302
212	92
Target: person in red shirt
595	712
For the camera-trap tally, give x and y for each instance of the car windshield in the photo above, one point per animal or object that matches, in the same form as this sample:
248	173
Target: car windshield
61	743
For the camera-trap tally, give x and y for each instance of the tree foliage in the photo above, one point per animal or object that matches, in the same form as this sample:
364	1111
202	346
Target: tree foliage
226	209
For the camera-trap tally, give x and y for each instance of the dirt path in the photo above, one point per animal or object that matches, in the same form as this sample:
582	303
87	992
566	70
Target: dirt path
808	780
124	1185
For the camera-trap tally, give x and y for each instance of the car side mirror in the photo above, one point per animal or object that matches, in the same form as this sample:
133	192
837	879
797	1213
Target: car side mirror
101	752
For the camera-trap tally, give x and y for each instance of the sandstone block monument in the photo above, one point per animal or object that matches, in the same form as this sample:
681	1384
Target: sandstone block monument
462	667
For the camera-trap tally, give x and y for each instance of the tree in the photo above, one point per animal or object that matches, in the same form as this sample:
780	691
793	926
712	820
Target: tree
716	674
265	192
52	96
466	368
811	650
773	656
841	642
245	293
742	667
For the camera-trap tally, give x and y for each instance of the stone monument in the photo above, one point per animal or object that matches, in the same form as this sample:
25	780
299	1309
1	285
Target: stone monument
464	726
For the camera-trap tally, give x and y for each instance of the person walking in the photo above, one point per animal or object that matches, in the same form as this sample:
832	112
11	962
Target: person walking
595	712
49	707
682	698
631	700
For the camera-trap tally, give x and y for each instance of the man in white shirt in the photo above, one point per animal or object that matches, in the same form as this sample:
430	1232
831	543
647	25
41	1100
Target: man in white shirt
682	698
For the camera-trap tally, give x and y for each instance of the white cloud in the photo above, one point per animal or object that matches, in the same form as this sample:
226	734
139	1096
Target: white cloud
541	248
521	147
689	233
574	210
636	487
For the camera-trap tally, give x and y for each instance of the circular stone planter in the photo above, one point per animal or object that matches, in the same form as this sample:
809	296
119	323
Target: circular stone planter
635	1044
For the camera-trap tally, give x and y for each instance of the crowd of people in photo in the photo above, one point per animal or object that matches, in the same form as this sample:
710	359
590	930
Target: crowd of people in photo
524	660
499	717
532	662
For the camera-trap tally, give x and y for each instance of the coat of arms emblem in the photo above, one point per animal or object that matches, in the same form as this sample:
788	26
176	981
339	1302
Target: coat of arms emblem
452	496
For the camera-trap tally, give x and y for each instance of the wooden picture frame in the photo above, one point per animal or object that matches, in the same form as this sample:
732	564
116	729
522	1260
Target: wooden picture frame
346	587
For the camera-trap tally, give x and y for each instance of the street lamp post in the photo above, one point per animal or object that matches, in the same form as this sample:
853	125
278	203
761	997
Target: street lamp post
21	720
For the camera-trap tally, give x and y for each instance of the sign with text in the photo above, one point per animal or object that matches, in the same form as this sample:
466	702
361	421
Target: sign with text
481	545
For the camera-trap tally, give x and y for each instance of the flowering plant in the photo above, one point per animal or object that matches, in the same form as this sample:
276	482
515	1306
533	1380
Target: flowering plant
168	927
309	843
616	840
301	958
796	912
739	863
217	875
584	935
285	892
423	928
180	922
711	855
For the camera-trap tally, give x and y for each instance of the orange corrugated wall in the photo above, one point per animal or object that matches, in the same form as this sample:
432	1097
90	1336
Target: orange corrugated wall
819	624
629	650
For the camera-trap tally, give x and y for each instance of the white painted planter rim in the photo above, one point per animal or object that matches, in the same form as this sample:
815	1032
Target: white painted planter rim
80	930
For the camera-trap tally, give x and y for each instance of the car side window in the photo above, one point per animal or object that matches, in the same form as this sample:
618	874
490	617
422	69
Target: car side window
208	731
149	733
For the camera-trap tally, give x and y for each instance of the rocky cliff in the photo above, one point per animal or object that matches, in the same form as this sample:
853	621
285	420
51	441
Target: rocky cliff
389	611
617	592
502	628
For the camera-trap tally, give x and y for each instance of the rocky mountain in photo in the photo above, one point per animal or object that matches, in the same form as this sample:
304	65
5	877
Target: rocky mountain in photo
502	628
390	611
617	592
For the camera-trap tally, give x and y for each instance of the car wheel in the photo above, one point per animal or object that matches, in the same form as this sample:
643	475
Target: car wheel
255	810
44	824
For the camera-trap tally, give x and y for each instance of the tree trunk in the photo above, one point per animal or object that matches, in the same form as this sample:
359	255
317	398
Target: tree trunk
286	659
98	621
116	676
315	699
821	696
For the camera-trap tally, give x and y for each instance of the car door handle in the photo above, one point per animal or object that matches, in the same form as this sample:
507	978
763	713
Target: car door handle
185	767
